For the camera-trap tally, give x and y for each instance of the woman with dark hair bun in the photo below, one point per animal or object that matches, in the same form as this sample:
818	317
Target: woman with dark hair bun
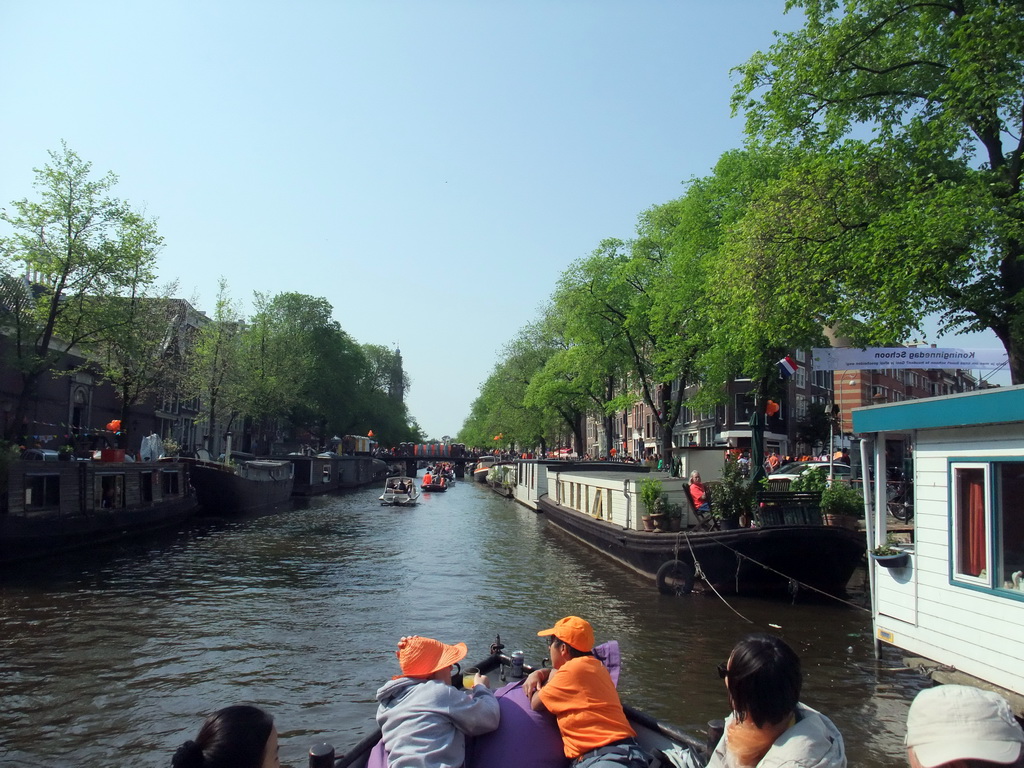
234	737
769	727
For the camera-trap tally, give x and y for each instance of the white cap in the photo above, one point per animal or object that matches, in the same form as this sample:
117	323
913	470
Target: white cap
958	722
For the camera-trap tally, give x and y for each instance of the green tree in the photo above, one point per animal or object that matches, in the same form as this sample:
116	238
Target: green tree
138	353
502	408
279	351
929	213
75	245
213	368
600	300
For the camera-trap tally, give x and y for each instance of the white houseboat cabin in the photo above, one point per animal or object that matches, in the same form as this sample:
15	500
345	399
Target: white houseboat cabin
959	600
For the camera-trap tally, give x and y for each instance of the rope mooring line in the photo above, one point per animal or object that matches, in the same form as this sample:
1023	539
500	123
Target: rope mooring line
740	557
699	573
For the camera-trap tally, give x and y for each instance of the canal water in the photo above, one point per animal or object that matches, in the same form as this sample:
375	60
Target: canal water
113	657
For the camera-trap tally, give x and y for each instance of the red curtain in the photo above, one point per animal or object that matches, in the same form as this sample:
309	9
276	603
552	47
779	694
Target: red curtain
971	518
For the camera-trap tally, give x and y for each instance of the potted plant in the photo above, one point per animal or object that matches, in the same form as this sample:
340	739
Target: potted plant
731	497
888	555
650	495
841	505
674	515
65	453
660	514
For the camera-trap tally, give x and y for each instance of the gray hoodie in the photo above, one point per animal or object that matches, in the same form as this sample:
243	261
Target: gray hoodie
812	742
425	722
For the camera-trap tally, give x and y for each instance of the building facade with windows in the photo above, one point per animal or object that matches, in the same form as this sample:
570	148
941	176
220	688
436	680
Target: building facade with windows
73	404
959	599
794	427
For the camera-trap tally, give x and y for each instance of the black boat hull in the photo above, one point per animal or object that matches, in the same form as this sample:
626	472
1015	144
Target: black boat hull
747	560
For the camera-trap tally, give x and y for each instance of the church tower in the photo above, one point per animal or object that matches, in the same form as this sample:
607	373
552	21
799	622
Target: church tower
396	390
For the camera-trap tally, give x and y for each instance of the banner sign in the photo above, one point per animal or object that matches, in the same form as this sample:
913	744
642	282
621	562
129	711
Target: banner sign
876	358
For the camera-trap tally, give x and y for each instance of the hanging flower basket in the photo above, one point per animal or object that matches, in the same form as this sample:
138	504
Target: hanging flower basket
899	560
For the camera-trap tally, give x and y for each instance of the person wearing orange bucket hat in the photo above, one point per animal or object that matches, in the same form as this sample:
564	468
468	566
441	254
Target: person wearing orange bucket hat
423	720
580	693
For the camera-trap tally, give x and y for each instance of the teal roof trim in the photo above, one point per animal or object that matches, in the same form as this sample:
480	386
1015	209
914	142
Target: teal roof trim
1004	405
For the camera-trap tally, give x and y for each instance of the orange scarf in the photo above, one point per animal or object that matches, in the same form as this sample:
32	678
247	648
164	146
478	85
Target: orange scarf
747	743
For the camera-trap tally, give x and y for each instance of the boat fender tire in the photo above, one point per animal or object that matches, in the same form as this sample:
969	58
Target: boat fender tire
675	577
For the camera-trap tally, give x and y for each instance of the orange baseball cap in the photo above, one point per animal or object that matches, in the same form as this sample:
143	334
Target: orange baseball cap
423	656
573	630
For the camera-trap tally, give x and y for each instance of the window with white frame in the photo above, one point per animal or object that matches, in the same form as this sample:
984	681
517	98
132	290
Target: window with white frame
987	523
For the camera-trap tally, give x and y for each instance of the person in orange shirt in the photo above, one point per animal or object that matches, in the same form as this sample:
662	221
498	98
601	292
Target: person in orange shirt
580	693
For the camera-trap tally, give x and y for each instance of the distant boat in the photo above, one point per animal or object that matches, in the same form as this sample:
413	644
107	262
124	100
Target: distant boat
400	492
247	485
483	466
56	506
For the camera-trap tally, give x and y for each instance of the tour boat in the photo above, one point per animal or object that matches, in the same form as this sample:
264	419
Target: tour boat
399	491
528	739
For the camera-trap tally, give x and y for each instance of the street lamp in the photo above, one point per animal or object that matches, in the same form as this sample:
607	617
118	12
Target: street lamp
833	413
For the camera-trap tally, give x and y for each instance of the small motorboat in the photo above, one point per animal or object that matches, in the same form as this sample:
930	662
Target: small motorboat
527	739
436	485
400	491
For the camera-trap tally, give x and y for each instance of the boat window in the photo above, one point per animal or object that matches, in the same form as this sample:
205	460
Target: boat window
108	491
42	491
146	480
170	483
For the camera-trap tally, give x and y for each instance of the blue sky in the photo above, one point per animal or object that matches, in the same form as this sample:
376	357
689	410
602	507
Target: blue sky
430	167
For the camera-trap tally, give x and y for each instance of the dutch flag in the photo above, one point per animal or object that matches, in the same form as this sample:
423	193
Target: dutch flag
787	367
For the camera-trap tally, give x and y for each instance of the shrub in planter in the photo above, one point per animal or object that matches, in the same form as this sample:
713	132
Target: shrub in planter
733	496
841	499
650	494
888	549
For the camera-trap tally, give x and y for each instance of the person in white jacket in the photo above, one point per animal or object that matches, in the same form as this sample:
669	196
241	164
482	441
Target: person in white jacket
769	727
424	721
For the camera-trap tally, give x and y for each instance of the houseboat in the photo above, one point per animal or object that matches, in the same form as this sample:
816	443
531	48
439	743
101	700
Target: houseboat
326	472
52	507
483	466
598	503
246	485
955	598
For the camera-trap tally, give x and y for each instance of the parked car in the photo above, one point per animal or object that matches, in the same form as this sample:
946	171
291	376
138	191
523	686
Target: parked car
38	454
794	469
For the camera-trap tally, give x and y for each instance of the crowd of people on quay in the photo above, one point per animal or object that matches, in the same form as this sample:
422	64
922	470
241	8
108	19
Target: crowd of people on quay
425	720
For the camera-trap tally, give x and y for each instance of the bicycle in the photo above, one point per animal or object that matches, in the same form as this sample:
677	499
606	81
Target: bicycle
899	500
